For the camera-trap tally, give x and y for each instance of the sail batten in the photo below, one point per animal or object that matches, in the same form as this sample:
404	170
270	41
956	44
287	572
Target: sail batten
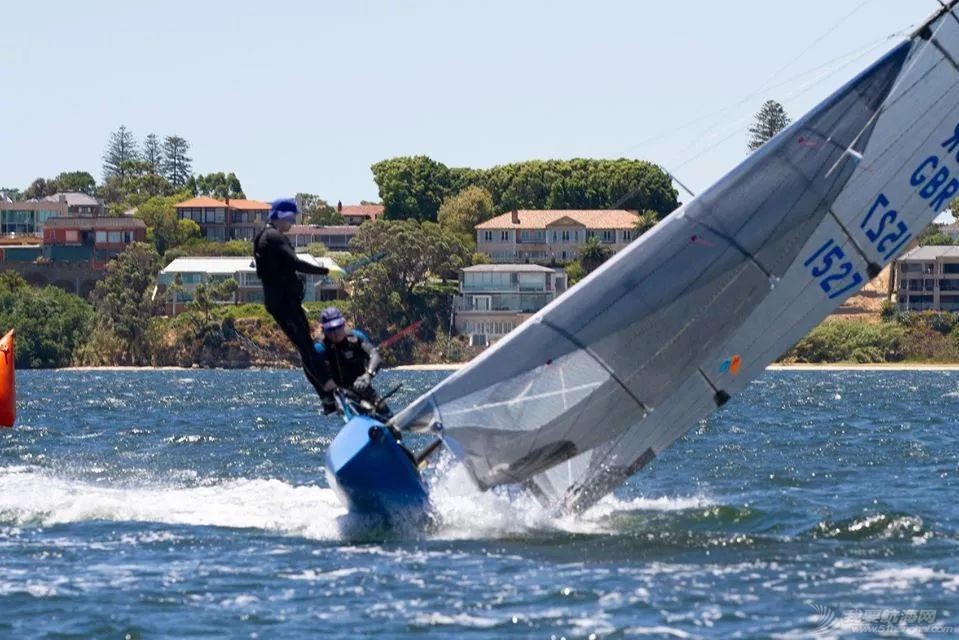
597	384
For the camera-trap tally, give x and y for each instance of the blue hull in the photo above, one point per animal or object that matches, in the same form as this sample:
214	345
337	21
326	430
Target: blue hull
375	475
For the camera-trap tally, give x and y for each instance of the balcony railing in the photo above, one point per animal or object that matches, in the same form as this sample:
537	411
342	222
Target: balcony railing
526	303
517	289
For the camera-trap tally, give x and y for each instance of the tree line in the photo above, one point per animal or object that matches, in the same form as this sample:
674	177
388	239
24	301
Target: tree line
416	186
132	173
167	158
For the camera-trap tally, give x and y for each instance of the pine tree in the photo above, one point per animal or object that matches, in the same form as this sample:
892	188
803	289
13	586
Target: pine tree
770	120
121	148
176	164
151	152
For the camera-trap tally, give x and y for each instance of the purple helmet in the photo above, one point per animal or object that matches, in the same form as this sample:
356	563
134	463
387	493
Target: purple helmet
331	319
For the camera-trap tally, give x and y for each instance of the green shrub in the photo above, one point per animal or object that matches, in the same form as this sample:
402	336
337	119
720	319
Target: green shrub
851	341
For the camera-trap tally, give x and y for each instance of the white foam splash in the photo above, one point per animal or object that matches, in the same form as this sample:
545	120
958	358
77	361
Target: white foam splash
464	511
33	495
459	619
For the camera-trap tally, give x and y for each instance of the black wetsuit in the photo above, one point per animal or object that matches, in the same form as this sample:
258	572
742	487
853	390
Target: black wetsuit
350	358
277	265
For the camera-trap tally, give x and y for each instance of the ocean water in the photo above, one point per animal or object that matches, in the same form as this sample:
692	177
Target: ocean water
177	504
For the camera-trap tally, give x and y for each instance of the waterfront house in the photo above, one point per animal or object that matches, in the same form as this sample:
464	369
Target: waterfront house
495	298
73	253
79	205
544	235
927	279
334	237
357	214
222	220
92	240
27	218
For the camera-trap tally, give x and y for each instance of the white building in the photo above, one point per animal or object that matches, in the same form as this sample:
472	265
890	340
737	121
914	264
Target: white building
189	272
495	298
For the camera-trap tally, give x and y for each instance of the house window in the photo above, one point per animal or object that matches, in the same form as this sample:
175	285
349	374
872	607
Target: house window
627	236
566	236
488	236
609	236
127	237
481	303
533	236
101	236
504	236
113	237
72	236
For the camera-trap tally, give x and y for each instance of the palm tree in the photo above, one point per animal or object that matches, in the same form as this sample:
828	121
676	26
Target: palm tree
592	254
646	221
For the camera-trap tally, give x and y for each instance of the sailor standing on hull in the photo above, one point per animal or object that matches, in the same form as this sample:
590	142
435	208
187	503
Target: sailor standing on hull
277	266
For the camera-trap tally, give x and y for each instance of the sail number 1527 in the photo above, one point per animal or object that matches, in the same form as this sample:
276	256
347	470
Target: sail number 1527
835	274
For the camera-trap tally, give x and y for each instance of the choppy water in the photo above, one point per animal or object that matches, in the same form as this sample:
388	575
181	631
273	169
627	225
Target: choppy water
152	504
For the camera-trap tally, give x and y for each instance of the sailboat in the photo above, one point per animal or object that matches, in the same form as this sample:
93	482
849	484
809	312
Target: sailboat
593	387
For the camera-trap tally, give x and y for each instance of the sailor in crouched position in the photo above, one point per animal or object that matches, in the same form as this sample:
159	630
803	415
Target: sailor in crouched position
351	359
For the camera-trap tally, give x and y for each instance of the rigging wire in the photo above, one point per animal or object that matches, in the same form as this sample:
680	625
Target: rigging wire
737	126
765	86
714	118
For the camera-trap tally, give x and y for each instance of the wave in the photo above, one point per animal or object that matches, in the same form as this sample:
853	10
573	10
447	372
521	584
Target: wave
876	526
39	496
31	495
36	496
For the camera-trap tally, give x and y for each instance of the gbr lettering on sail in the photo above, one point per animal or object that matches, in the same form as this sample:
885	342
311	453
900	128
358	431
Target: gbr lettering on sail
934	181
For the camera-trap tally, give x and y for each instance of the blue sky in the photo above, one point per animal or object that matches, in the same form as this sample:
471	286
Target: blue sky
305	96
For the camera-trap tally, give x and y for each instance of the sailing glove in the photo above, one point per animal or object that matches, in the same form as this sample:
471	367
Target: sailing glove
361	384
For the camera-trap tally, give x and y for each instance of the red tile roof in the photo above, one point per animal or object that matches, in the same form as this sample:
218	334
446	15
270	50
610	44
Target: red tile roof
372	211
544	218
208	202
250	204
201	201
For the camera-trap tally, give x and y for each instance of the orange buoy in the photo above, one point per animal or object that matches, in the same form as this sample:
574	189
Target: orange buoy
8	387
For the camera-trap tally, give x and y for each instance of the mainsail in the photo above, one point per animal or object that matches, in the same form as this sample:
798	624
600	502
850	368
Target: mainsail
595	385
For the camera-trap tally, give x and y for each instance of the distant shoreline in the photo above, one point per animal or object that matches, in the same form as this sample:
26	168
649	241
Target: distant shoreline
880	366
826	366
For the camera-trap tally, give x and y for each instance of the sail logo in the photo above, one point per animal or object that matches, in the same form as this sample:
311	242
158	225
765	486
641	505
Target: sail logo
731	365
933	179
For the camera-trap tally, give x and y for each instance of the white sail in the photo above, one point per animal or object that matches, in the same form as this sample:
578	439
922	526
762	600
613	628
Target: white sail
594	386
